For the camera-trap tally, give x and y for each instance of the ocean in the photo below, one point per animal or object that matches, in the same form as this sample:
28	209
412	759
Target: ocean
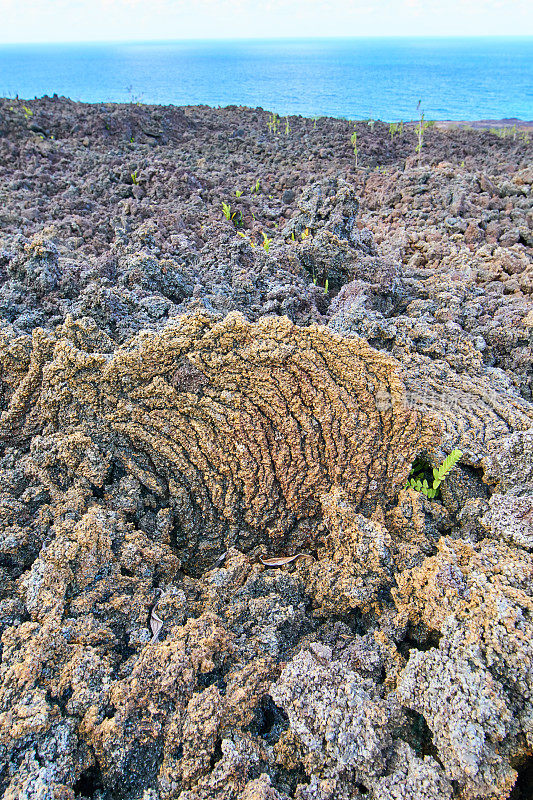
463	79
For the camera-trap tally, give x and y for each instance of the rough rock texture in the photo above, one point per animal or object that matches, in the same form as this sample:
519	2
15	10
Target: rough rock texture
474	689
347	726
239	427
444	375
355	563
186	398
510	518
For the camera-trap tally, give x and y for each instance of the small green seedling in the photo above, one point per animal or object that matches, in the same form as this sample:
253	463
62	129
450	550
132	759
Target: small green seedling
266	242
273	123
354	143
27	112
304	234
395	129
326	286
238	193
417	481
503	133
287	126
420	130
255	189
246	239
135	178
237	219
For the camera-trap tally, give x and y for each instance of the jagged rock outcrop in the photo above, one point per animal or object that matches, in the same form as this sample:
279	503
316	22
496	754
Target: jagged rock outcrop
354	565
444	374
328	243
474	688
347	729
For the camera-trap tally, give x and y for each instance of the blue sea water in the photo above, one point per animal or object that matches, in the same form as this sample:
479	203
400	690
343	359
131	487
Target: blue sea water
469	79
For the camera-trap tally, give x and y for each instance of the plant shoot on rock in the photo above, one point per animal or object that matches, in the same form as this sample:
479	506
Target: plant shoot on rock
420	130
354	143
418	482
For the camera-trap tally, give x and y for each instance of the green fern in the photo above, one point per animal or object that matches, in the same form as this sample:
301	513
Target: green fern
266	242
419	483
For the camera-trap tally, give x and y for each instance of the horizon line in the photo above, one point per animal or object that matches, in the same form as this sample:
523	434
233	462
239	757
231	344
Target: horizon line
271	39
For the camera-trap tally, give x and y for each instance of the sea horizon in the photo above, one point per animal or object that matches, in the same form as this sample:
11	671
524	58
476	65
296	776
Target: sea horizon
455	78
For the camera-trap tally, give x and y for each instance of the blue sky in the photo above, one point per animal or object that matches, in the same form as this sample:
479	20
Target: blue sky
123	20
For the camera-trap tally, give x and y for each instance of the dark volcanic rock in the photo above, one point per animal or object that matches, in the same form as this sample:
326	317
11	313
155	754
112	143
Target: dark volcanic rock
222	346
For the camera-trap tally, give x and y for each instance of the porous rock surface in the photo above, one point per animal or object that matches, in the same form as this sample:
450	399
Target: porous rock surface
185	397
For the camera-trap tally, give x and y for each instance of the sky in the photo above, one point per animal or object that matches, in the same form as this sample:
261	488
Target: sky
146	20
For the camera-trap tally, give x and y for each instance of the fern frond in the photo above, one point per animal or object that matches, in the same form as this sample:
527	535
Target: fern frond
417	481
449	462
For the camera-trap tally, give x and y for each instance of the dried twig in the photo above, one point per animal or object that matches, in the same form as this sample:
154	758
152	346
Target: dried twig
220	560
280	561
156	623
